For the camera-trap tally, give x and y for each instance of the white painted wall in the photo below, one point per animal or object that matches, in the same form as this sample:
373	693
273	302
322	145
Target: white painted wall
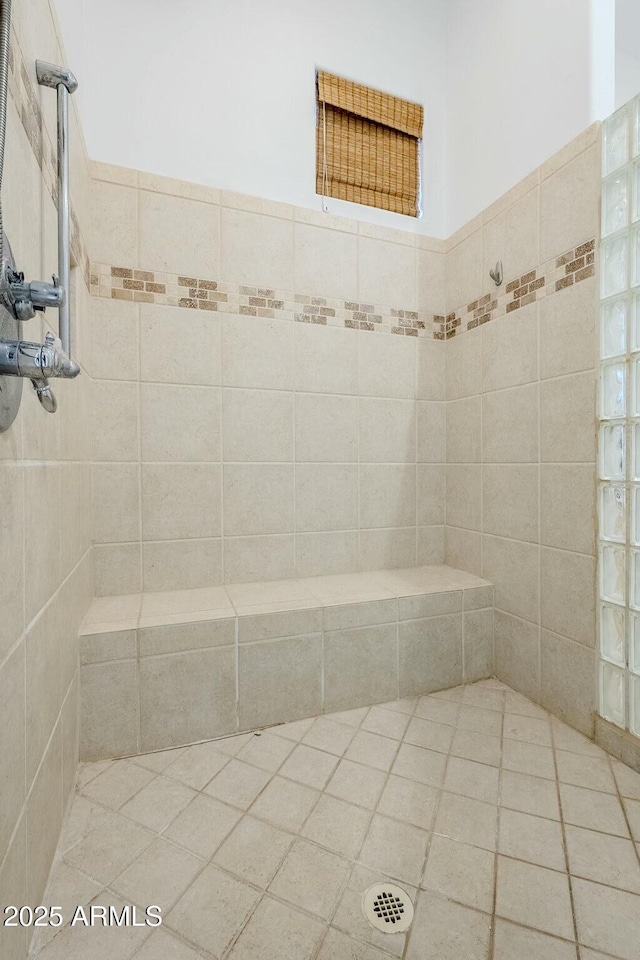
627	50
223	92
522	82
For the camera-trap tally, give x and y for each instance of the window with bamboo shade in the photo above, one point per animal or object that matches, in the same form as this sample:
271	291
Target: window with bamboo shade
367	145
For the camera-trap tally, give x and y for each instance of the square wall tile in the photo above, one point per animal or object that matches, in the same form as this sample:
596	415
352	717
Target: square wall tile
180	422
510	349
510	425
387	273
463	430
258	353
326	429
256	250
346	683
387	431
464	495
464	364
568	591
258	498
326	359
387	495
567	506
257	425
259	558
430	478
262	697
117	568
430	369
114	420
510	500
387	548
569	205
567	418
568	330
512	566
181	500
430	654
513	235
186	697
326	262
178	235
430	432
568	681
113	338
115	501
181	564
326	496
109	710
167	338
517	651
386	366
113	223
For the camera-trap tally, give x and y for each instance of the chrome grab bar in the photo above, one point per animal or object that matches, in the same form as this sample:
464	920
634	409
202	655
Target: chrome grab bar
64	82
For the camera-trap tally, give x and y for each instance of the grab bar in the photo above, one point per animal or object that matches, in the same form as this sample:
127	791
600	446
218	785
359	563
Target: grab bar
64	83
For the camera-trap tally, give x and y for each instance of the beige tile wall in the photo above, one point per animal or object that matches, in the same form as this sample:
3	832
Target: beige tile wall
521	434
46	577
231	447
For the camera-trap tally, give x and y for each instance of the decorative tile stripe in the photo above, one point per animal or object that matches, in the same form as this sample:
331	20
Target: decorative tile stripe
197	293
572	267
27	101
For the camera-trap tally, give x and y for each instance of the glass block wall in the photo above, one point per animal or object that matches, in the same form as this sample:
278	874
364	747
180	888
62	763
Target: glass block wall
619	414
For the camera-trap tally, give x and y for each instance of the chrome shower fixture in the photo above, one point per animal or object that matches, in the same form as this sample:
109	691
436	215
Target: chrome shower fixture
496	273
20	299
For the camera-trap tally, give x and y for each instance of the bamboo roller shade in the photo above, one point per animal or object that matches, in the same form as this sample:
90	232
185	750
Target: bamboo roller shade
370	143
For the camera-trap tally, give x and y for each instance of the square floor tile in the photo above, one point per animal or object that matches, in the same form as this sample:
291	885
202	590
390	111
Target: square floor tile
357	784
531	838
203	825
386	722
161	945
593	810
535	897
309	766
443	930
479	747
67	888
213	910
426	766
266	751
197	765
158	803
353	718
632	808
372	750
528	758
117	784
467	820
627	779
481	695
607	919
159	875
461	872
528	729
253	851
159	760
104	852
477	780
340	946
516	703
396	849
602	858
326	734
295	730
410	801
285	803
277	932
519	791
480	720
348	916
512	942
430	734
338	826
238	784
594	773
442	711
311	878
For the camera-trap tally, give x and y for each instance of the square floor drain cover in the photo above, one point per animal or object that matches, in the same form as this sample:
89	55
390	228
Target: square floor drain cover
387	907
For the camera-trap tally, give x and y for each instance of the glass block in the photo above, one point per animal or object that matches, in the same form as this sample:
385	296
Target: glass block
613	513
635	192
612	574
612	451
612	391
613	266
634	578
612	634
635	321
635	256
634	705
615	141
612	699
634	642
634	497
635	459
615	203
635	385
613	328
635	110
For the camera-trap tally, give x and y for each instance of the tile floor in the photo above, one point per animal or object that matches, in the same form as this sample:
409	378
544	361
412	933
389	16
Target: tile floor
514	836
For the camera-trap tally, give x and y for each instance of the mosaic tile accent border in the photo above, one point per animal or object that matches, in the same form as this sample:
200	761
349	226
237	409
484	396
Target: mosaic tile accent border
197	293
572	267
26	98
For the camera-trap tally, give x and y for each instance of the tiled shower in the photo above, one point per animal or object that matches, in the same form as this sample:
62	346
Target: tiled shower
324	572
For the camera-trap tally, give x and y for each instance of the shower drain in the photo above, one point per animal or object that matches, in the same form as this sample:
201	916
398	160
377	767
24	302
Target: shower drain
387	908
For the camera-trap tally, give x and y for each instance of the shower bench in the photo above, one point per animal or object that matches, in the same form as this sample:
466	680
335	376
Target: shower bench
159	670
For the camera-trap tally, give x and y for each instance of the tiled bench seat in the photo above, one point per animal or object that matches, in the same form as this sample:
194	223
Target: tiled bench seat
165	669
